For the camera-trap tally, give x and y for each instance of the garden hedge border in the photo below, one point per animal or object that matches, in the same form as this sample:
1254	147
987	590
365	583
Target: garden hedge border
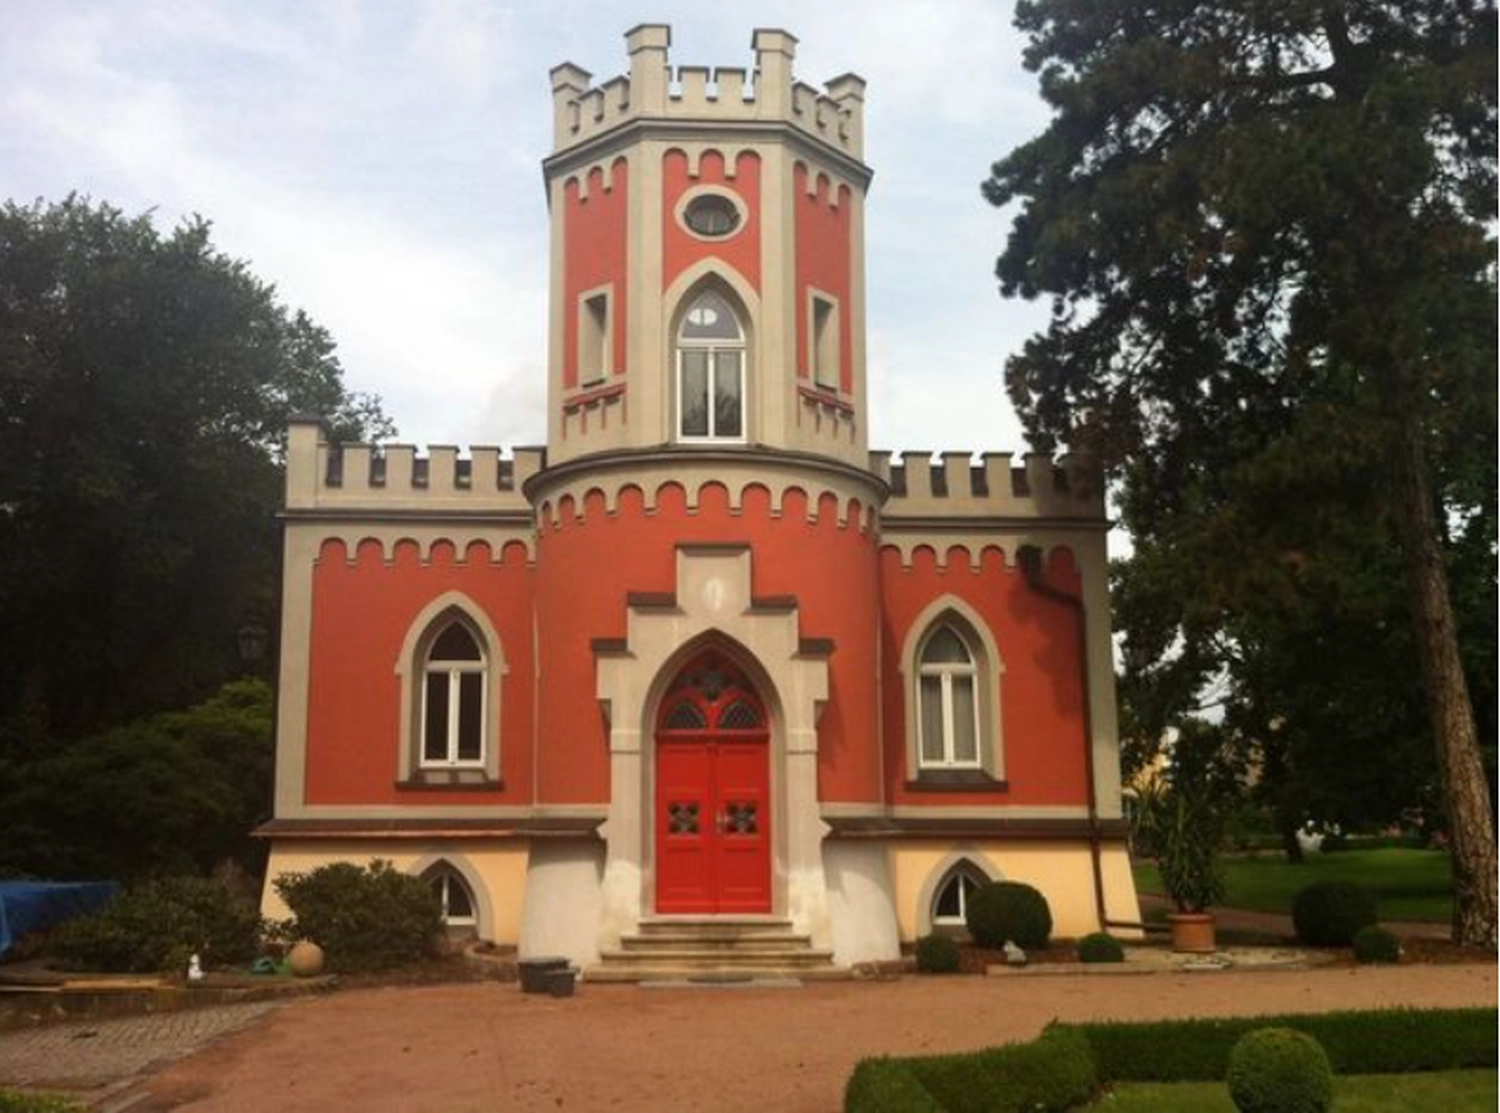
1067	1062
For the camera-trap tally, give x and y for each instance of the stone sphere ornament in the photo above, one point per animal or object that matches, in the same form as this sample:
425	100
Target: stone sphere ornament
305	959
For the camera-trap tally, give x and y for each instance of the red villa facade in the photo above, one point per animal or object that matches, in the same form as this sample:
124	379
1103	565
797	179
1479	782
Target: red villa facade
704	667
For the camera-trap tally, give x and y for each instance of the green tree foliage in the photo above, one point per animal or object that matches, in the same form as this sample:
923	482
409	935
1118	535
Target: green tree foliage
1264	231
174	793
145	383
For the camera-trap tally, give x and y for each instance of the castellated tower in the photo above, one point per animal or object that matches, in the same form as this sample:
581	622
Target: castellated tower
677	197
704	684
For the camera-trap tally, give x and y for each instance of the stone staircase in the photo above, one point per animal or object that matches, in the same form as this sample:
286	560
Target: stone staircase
677	948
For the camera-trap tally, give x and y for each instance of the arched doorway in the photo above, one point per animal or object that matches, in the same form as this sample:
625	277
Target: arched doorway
713	830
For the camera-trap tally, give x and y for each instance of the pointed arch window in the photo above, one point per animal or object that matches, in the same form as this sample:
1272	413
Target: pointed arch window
710	354
455	898
453	699
948	698
950	905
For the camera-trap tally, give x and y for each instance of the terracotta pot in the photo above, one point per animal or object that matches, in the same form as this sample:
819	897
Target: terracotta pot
305	958
1192	932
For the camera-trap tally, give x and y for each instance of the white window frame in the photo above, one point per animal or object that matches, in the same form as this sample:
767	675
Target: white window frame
411	671
956	876
447	877
711	348
946	672
954	612
454	671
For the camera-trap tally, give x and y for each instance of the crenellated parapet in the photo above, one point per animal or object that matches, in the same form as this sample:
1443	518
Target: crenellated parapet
654	90
956	487
327	476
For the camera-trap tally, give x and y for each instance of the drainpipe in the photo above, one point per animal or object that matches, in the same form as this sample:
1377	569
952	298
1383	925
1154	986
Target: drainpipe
1030	559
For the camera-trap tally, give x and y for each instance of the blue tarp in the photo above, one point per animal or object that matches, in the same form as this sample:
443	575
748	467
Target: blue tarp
31	905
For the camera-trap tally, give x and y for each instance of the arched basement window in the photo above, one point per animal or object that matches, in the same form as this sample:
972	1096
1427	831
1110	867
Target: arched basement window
710	371
950	906
454	896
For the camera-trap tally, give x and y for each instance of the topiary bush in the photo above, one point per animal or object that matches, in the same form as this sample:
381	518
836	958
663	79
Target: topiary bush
1279	1070
1011	911
1375	945
156	925
364	918
1328	913
1100	947
937	954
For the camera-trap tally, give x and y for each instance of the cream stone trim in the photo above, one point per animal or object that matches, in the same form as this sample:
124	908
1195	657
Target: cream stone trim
500	812
679	212
461	535
410	673
607	369
962	855
1007	538
693	470
811	355
557	315
988	673
714	606
300	553
484	913
713	272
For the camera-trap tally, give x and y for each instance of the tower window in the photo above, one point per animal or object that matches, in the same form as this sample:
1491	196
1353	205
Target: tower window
824	341
711	215
594	341
710	371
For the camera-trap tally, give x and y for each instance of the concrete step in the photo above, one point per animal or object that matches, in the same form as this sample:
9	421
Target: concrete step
606	972
690	956
717	926
677	940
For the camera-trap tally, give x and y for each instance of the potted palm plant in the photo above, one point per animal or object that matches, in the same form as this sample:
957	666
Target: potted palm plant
1182	815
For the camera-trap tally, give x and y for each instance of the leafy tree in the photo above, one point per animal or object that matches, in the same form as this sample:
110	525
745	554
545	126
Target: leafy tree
174	793
1264	230
145	383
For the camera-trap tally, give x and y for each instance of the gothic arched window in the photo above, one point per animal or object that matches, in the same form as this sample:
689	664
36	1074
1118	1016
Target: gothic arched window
453	695
948	719
710	371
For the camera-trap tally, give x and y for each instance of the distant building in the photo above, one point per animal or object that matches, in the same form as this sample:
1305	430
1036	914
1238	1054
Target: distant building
704	668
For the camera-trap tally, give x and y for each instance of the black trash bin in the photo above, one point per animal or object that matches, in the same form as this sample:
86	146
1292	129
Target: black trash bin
535	972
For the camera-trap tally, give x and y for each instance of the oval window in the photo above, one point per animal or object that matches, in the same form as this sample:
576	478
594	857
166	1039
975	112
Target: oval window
712	214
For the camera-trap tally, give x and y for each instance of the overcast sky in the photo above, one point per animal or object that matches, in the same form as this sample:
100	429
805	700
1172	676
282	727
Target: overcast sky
378	160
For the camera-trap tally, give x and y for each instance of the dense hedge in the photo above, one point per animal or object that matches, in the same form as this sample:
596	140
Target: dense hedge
1048	1075
1375	944
1385	1041
1330	913
1003	912
1069	1061
1099	946
937	954
156	925
364	918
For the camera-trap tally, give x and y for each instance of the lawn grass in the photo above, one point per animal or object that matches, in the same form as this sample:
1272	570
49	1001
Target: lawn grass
1456	1091
1408	884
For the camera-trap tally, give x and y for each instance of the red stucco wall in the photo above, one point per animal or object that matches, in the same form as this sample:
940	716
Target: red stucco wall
361	615
824	261
1041	689
595	230
681	250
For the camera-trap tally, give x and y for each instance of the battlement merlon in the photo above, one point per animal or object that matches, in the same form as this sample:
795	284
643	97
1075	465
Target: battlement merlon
325	476
957	488
653	90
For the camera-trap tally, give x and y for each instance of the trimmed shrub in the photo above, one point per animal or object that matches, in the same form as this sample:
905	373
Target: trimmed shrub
364	918
887	1086
1278	1070
1100	947
1009	911
937	954
1377	1041
1054	1072
156	925
1328	913
1375	944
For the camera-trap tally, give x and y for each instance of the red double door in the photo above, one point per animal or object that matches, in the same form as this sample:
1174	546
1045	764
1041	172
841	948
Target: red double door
713	832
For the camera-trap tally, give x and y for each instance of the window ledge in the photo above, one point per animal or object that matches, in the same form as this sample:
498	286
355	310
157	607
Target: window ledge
956	780
462	780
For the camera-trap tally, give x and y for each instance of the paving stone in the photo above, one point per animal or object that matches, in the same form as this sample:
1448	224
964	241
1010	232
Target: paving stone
95	1053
